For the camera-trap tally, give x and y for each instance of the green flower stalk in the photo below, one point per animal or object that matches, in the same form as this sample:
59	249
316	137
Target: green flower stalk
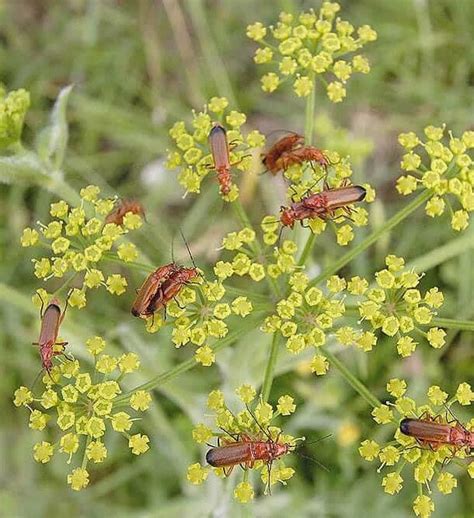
253	423
191	156
13	108
80	240
76	410
444	167
311	45
427	461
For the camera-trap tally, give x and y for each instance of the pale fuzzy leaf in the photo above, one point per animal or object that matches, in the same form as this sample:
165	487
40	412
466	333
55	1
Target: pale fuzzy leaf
52	141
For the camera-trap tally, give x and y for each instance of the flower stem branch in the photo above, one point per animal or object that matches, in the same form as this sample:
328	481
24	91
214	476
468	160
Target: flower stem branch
449	323
356	384
187	365
269	370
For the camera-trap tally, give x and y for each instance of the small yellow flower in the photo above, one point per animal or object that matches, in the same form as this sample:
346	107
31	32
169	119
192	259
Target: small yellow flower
138	443
128	363
246	393
423	506
392	483
59	209
95	427
205	356
256	31
202	433
336	92
215	400
242	306
464	394
127	252
270	82
23	396
132	221
95	345
78	479
319	364
303	86
197	474
382	414
446	483
436	395
406	346
140	400
69	443
369	450
43	451
263	412
29	237
77	298
106	364
396	387
286	405
116	284
244	492
121	422
96	451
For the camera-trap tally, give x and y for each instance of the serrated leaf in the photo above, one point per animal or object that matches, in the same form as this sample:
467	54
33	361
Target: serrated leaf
52	141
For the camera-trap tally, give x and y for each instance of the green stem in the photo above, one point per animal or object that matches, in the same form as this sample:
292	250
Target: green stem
448	323
373	237
187	365
309	114
307	249
356	384
269	370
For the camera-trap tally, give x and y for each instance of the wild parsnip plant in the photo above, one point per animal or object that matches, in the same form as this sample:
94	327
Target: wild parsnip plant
262	281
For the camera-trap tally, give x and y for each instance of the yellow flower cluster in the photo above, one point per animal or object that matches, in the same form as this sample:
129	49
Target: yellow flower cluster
198	315
13	108
191	152
301	47
272	262
307	316
81	406
252	424
397	307
443	165
80	239
427	458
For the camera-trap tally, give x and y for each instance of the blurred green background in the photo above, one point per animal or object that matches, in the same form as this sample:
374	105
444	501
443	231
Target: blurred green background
138	66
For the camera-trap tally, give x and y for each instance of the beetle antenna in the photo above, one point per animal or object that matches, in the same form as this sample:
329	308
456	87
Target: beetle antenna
187	247
172	249
312	459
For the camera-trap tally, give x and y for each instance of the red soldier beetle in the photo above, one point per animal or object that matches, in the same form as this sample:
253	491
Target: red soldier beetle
122	208
220	151
51	319
244	450
162	286
434	433
283	145
322	205
150	287
300	155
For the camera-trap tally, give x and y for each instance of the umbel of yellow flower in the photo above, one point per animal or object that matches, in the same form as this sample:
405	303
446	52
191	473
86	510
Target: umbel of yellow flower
442	166
397	307
302	47
415	445
251	427
191	156
81	243
82	407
